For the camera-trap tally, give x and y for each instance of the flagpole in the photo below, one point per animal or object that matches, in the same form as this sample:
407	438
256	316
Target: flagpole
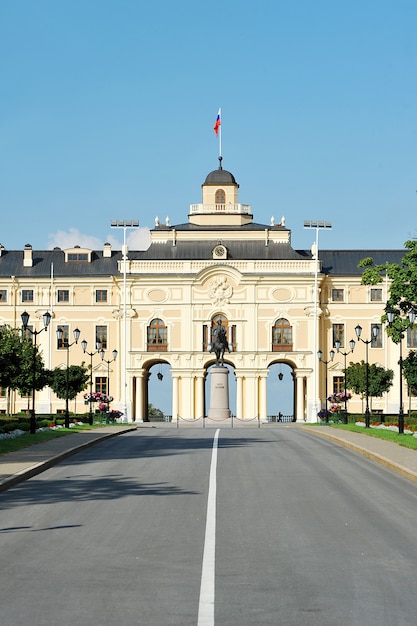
220	133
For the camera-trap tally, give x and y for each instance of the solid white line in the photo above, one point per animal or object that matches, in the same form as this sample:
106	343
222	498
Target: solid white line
206	603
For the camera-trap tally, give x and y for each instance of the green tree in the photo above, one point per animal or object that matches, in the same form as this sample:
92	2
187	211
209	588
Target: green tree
78	378
379	379
402	287
11	355
17	354
154	412
410	371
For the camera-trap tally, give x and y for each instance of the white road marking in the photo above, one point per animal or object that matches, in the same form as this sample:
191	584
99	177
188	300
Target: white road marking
206	603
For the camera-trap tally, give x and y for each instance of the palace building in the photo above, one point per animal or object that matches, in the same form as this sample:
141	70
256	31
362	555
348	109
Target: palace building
279	306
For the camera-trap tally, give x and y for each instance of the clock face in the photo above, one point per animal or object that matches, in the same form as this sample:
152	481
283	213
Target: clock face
219	251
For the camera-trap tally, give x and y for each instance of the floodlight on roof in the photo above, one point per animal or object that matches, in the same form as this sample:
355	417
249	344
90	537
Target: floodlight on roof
317	224
124	223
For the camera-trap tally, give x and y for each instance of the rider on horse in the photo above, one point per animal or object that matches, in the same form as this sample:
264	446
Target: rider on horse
219	343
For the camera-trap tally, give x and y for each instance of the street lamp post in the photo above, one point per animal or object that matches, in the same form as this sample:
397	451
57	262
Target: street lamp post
320	355
352	344
108	361
316	225
391	316
25	320
91	354
358	331
60	337
125	224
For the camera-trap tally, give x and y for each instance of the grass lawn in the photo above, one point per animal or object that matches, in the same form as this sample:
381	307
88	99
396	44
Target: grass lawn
11	445
408	441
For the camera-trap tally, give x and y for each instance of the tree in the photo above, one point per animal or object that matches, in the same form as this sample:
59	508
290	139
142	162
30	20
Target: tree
17	354
11	356
379	379
410	371
78	378
402	288
154	412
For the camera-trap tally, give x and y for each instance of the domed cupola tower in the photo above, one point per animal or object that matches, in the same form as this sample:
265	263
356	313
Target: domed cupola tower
220	206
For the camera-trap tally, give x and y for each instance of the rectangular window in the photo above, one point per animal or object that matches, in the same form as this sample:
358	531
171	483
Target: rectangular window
338	384
101	384
376	295
232	337
63	342
80	256
63	295
101	295
3	295
337	295
411	337
338	331
101	336
376	341
27	295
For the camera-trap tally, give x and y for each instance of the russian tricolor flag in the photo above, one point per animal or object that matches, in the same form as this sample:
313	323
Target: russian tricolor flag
217	123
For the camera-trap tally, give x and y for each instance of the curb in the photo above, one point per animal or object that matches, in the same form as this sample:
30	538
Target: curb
395	467
40	467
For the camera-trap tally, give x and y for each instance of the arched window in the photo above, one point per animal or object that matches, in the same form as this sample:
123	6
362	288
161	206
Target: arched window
230	332
220	199
157	336
281	336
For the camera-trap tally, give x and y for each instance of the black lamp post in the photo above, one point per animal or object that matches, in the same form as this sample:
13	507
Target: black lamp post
91	354
352	344
320	355
114	353
60	337
358	331
391	316
35	333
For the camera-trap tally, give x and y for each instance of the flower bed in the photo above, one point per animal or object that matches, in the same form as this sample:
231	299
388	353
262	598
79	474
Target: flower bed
408	430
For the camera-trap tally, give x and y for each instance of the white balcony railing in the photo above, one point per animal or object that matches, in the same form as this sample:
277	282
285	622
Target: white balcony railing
239	209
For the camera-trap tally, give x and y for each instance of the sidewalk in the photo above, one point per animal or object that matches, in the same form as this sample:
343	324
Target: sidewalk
23	464
393	456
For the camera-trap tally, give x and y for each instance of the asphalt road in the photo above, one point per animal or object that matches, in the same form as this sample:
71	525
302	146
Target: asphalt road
179	527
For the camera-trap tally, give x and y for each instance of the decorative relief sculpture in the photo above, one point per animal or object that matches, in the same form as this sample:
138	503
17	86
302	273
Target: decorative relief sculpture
220	291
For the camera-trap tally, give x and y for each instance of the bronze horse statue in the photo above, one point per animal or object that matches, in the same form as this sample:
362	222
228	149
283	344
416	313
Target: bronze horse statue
219	343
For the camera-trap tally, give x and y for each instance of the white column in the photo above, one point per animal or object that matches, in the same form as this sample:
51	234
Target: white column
239	397
200	396
262	398
299	383
140	382
174	398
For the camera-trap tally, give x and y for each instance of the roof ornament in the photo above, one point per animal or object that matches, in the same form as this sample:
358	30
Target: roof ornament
272	221
167	221
220	162
157	222
283	220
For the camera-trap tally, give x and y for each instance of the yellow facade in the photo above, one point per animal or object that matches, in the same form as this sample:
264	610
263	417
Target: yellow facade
219	263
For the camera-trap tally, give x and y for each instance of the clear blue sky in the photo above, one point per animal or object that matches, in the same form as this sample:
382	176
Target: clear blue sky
107	111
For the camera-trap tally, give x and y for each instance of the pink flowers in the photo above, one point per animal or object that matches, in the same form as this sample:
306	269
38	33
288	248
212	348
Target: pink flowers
97	396
339	397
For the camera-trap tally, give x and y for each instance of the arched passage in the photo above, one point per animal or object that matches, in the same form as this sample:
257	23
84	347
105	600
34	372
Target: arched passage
281	391
158	395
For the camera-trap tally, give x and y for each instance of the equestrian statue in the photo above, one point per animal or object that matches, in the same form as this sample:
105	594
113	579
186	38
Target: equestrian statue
219	343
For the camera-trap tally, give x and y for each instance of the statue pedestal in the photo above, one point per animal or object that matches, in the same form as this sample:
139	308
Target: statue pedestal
219	393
